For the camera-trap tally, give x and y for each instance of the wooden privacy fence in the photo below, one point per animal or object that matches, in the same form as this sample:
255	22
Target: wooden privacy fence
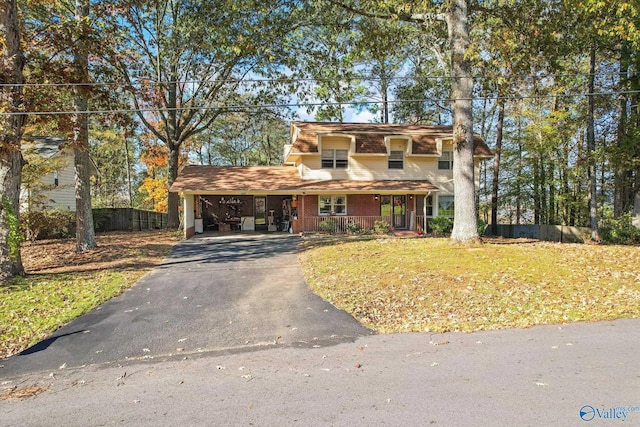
128	219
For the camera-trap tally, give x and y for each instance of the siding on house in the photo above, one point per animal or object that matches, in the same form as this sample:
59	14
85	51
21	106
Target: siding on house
63	196
376	168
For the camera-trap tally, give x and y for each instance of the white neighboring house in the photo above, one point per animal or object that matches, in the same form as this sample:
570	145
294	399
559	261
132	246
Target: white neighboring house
60	192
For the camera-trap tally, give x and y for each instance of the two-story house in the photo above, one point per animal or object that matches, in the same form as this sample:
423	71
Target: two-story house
334	175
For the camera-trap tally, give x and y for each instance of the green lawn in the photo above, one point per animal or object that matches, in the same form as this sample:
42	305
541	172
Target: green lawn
398	285
33	307
61	285
391	285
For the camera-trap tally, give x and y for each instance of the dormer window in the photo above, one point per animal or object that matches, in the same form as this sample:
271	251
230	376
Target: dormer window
396	159
335	159
446	161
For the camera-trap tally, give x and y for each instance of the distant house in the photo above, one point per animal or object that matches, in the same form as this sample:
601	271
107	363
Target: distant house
55	189
335	175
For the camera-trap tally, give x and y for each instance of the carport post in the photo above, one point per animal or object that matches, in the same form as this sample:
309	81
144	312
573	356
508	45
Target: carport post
189	215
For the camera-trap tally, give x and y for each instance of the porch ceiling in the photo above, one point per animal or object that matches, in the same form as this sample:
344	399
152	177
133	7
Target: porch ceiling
197	179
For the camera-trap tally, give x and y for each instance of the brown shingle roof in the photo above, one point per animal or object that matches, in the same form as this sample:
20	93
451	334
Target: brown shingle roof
205	179
277	179
370	136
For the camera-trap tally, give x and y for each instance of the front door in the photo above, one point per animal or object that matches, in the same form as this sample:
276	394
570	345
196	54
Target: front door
260	212
399	212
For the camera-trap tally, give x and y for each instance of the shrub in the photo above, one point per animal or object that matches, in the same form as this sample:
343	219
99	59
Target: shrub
353	227
482	226
441	225
46	224
328	226
381	227
620	230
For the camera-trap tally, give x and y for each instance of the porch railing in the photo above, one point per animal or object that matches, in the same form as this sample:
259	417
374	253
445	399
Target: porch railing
342	224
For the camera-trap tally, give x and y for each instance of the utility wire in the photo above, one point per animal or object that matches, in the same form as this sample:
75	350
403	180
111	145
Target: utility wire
145	81
247	107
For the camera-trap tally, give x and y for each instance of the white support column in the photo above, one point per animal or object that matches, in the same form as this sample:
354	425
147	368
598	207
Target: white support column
189	215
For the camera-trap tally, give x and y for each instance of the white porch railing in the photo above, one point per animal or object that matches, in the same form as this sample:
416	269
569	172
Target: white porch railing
340	223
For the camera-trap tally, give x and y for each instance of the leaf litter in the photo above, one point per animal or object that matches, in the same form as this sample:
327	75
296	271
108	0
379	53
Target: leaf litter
401	285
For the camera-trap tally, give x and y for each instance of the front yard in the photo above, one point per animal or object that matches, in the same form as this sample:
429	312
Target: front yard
61	284
399	285
388	284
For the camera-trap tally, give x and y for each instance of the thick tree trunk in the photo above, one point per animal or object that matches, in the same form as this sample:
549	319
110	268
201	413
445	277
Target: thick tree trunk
173	202
85	233
173	145
11	66
465	226
591	148
496	171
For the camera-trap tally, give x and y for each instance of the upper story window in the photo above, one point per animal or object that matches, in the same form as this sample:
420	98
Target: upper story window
335	159
396	159
56	181
446	160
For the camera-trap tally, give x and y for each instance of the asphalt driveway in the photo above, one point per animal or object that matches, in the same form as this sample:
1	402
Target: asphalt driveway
229	293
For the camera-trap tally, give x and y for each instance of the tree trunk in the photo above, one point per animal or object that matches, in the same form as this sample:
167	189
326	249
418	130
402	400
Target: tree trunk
465	227
384	90
536	189
85	233
11	67
173	202
496	170
591	148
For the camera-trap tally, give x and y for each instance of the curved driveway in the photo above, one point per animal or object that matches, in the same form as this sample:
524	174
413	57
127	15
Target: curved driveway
224	293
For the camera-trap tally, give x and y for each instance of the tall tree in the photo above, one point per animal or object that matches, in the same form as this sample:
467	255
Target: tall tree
456	14
242	139
381	49
113	152
85	233
185	62
11	122
465	216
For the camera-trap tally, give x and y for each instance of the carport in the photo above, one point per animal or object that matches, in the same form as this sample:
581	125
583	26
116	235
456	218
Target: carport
231	198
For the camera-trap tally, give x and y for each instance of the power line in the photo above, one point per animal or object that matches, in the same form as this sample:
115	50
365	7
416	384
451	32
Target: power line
247	107
145	81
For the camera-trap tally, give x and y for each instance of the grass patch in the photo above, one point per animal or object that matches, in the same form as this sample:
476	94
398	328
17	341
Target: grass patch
61	285
401	285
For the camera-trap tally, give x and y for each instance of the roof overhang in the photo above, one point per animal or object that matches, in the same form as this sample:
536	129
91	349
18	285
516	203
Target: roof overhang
281	180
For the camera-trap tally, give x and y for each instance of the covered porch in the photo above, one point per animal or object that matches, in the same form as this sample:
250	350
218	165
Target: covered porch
276	199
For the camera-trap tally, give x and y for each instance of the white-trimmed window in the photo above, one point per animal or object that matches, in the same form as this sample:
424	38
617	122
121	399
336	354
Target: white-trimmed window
445	206
335	159
396	159
446	161
332	205
429	206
